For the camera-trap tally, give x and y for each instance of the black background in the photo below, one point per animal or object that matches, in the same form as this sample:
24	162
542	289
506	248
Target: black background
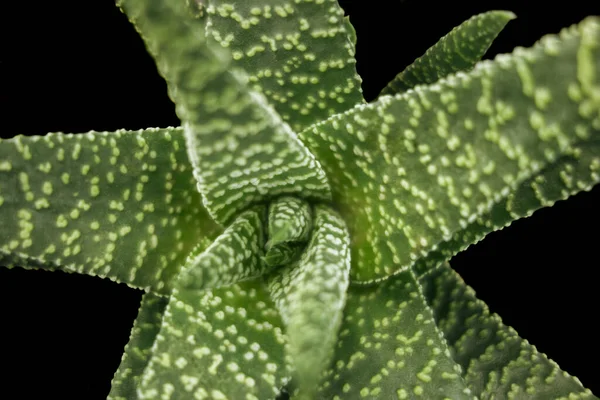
75	66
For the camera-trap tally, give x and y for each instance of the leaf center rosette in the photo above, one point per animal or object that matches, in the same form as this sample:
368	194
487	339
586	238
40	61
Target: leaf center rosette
404	198
262	184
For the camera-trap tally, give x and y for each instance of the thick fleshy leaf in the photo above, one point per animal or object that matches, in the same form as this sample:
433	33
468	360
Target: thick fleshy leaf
121	205
299	54
496	363
290	224
290	220
459	50
234	256
224	343
241	150
138	351
410	171
311	294
390	348
577	170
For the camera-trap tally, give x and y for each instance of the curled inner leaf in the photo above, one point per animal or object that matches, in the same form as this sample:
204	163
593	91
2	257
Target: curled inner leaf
290	223
310	295
233	257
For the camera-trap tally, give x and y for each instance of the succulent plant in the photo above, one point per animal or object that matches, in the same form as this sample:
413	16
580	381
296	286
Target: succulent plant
292	238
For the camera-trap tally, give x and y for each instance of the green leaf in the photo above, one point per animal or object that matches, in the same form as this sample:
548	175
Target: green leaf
300	54
574	171
233	257
283	254
496	363
290	220
121	205
390	348
224	343
459	50
480	135
290	224
311	294
138	351
241	150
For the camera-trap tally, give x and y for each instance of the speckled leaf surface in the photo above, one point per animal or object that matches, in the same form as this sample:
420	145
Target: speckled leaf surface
290	219
410	171
224	343
121	205
390	348
242	151
233	257
417	177
459	50
576	170
496	363
300	54
310	296
138	350
290	224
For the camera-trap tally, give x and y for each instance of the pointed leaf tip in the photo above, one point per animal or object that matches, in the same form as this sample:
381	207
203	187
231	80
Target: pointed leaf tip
290	224
495	362
459	50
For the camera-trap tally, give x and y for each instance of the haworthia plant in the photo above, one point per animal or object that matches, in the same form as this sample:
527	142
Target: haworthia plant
293	239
